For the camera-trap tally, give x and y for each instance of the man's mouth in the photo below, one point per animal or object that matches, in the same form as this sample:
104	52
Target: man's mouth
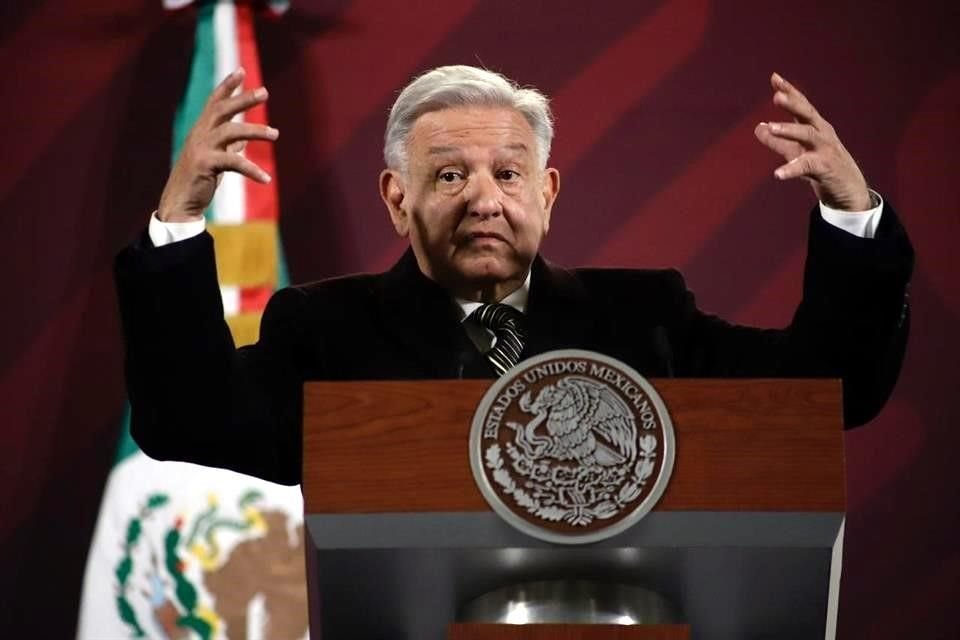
484	235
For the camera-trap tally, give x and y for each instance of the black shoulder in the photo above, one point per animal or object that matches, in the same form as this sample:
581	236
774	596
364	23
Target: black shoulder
659	283
351	291
355	284
320	300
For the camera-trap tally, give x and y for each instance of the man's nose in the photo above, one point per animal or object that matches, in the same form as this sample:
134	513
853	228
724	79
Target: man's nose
483	197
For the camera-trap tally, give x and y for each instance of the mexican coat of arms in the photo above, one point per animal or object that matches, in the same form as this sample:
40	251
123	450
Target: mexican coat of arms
572	446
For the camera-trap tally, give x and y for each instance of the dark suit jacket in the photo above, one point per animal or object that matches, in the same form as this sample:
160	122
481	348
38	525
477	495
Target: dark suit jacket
197	398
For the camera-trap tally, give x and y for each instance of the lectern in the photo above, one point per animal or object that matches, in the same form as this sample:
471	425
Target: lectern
746	542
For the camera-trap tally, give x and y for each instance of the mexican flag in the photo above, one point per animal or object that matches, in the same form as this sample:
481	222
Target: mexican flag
181	550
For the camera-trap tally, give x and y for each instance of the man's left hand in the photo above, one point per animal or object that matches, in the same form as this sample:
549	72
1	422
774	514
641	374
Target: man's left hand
813	151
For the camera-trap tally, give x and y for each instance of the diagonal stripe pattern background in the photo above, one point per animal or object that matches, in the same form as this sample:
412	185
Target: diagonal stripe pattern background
655	100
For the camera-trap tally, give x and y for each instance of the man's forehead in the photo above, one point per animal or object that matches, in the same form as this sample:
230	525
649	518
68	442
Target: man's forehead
450	130
446	149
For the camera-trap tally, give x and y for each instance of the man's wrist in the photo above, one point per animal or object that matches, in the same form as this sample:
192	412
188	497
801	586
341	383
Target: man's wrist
868	203
167	232
859	223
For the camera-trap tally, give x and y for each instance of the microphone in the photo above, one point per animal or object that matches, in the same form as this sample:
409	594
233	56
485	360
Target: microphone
464	360
662	349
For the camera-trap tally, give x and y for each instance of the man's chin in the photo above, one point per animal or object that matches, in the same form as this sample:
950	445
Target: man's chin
487	269
482	279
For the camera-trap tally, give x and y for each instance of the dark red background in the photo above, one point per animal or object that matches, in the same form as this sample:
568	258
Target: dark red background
655	103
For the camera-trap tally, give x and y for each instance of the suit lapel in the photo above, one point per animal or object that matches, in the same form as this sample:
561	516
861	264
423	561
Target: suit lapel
419	316
559	311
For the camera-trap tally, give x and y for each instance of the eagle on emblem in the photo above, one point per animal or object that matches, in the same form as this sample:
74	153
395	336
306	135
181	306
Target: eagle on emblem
586	421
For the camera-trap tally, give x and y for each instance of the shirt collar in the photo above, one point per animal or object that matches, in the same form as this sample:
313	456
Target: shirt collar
517	300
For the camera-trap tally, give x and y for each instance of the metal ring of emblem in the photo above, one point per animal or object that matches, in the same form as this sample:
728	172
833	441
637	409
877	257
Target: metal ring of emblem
497	503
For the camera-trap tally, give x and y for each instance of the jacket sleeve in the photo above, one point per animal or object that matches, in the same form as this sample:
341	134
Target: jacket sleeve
852	322
194	397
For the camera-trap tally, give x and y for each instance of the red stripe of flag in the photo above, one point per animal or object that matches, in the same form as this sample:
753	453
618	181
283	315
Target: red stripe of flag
261	198
253	299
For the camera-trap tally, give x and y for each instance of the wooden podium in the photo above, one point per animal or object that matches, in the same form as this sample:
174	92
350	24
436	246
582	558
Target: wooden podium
746	541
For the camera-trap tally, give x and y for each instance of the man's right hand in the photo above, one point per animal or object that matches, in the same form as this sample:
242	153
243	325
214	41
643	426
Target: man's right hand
214	145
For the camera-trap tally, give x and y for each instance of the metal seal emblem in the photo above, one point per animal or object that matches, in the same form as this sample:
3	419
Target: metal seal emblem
572	447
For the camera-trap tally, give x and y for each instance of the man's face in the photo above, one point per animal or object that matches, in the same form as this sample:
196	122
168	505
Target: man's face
473	201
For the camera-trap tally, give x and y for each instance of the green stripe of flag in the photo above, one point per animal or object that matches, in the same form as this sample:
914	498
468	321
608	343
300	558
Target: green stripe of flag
126	447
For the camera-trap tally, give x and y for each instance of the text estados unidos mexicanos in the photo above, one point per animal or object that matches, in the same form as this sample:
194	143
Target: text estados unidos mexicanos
515	389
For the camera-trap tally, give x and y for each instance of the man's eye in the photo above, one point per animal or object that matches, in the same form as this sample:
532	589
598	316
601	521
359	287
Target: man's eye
449	176
508	175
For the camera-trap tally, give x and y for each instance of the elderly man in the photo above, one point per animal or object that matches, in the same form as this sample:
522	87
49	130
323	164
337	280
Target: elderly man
467	182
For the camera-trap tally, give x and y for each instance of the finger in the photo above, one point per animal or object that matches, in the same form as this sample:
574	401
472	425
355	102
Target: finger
786	148
228	85
791	99
806	165
230	132
226	161
237	147
804	134
223	110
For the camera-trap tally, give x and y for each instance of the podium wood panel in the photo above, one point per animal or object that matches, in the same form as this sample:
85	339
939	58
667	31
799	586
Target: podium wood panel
568	632
742	445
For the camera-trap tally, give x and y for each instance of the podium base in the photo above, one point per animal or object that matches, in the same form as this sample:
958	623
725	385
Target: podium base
570	601
567	632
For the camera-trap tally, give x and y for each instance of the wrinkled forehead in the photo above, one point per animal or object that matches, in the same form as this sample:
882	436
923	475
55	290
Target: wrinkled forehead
462	130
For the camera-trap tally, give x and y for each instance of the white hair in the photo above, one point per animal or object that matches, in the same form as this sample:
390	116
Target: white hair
457	86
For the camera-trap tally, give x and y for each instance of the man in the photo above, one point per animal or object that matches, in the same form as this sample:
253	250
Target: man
467	182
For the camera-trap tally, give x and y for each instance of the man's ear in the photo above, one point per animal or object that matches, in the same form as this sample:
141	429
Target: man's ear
391	192
549	189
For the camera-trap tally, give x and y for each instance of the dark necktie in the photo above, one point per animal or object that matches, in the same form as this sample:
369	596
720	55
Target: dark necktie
508	325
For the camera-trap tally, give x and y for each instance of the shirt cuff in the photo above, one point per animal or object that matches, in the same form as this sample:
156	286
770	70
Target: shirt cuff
859	223
164	233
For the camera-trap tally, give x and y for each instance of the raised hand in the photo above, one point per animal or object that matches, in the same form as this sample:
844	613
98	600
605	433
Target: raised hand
212	147
813	151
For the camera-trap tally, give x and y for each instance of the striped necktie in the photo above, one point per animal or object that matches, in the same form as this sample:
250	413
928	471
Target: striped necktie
508	325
